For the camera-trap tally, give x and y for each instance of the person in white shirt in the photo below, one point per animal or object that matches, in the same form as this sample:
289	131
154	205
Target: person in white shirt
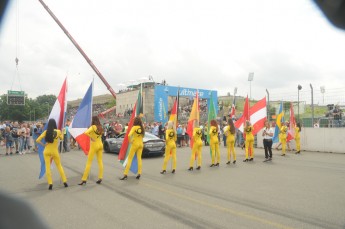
268	135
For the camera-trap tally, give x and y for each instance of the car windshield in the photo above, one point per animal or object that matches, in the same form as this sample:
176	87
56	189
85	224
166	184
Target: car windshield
149	136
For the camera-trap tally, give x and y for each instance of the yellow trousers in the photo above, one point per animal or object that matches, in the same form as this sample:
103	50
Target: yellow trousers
249	145
215	152
298	144
170	150
55	156
138	149
230	145
98	150
196	152
283	141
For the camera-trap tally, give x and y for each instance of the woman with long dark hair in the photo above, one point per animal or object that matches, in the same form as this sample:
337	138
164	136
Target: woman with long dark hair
95	133
135	136
214	142
230	133
51	137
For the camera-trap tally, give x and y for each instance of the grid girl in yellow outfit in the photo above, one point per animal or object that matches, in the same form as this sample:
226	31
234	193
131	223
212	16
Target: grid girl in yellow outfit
170	146
214	142
52	136
230	141
197	146
136	136
95	133
248	129
283	136
298	137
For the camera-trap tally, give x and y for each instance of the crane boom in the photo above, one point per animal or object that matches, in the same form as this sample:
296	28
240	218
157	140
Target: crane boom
79	49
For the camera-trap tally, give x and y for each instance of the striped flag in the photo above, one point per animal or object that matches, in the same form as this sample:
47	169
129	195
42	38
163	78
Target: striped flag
126	145
194	115
82	121
210	116
58	113
239	124
279	121
174	110
258	115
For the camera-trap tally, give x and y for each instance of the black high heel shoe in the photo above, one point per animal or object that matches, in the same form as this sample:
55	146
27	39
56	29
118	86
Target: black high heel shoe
251	159
137	177
82	182
163	171
234	162
173	171
65	184
245	160
190	169
228	162
211	165
198	168
50	187
217	164
124	177
99	181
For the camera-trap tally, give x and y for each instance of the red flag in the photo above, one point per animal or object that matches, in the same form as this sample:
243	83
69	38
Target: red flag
291	132
239	124
173	114
233	111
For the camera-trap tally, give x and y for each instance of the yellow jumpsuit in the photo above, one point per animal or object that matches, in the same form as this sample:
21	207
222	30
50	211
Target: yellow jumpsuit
230	143
170	148
297	139
96	147
51	151
249	141
214	144
283	132
197	146
136	138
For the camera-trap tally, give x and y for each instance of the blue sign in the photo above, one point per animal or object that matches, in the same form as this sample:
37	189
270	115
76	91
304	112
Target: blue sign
161	99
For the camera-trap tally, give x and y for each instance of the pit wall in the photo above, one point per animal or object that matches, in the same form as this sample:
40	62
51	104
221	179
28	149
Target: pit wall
331	140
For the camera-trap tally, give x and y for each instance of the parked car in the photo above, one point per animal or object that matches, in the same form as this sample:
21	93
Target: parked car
152	145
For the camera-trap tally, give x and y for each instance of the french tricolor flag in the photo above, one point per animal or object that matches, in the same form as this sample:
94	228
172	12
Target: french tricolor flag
58	113
82	121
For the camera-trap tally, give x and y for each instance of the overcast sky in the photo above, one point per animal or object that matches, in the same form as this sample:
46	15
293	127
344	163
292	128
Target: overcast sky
191	43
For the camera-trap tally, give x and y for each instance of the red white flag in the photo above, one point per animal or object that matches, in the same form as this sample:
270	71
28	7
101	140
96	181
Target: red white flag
258	115
239	124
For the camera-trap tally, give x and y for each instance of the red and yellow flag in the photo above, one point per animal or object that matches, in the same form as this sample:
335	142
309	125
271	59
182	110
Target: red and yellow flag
194	115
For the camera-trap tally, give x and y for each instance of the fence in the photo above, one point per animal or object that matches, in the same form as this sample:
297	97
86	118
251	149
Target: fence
313	107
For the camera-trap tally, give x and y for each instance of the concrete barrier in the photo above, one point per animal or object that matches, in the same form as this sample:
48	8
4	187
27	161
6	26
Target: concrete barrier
331	140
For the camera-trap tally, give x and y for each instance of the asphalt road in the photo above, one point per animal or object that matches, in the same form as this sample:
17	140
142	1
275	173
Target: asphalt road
296	191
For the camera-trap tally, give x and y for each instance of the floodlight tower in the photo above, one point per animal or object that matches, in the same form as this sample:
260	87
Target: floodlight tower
250	79
323	90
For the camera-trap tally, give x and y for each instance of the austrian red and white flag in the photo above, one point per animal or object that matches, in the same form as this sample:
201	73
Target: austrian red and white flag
258	115
239	124
82	121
